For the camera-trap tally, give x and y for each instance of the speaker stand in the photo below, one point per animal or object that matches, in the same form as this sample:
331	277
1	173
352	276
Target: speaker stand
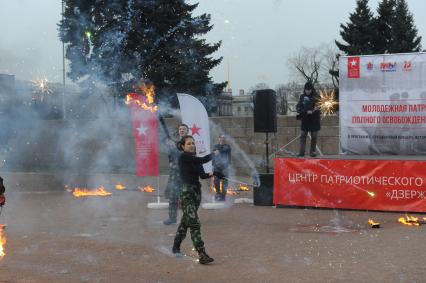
267	153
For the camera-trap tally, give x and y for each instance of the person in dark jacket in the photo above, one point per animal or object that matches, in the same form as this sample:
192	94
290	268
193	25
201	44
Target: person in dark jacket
221	162
310	117
174	183
2	191
191	169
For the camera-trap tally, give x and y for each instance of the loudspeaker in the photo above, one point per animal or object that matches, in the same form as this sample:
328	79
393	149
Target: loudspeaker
265	111
263	194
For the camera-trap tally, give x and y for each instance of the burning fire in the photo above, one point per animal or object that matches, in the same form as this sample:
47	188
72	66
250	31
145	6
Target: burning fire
2	242
147	189
149	92
327	102
409	220
243	188
373	223
120	187
80	192
231	192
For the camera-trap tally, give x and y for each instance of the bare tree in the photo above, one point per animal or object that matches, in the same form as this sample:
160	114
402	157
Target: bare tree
306	64
317	65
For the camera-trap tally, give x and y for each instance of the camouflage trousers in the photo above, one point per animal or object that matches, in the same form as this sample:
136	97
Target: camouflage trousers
190	201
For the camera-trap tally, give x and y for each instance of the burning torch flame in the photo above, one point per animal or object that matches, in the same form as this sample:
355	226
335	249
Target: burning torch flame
120	187
409	220
327	102
2	242
147	189
149	92
79	192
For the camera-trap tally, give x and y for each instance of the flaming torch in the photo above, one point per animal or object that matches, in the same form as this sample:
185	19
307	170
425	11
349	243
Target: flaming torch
327	102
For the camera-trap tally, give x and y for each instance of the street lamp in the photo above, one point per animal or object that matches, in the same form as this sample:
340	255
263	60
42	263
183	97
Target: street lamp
64	113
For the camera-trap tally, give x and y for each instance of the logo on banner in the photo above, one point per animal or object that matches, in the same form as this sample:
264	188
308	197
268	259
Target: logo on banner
353	68
407	66
370	66
388	66
195	130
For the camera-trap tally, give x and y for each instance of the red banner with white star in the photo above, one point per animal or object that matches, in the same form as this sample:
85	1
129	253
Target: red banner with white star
388	185
144	123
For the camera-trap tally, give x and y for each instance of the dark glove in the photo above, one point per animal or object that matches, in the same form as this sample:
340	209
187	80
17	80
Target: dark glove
2	200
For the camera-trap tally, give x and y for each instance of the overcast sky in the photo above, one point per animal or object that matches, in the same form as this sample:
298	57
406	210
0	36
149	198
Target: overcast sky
257	36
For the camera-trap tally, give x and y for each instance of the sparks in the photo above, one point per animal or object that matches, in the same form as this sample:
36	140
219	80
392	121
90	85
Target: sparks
41	88
372	194
327	103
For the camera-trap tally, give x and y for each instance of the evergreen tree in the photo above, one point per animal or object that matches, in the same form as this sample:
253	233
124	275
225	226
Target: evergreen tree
359	32
383	26
404	33
129	40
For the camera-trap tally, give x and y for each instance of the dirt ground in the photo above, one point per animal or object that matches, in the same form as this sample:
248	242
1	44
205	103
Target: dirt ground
54	237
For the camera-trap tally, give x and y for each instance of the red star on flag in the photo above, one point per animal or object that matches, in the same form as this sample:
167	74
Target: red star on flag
195	130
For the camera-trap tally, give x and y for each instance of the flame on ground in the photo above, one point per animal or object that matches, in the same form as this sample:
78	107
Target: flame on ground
409	220
147	189
243	188
148	91
373	223
82	192
2	242
231	192
120	187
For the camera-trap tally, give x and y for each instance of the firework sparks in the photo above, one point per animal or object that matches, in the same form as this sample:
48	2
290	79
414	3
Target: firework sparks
41	89
327	103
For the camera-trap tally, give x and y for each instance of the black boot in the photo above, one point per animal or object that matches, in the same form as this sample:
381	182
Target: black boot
204	258
176	250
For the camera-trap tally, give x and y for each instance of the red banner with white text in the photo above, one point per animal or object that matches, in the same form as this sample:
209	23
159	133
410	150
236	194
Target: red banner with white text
388	185
144	123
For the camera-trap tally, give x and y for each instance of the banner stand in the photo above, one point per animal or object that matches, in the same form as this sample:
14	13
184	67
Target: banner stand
158	204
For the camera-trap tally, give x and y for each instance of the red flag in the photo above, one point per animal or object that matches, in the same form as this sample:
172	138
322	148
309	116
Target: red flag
144	124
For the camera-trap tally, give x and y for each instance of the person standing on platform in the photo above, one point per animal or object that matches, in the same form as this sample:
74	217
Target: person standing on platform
221	162
2	191
310	117
191	169
174	183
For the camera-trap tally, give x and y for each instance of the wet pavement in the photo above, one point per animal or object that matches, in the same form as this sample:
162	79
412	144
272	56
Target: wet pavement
54	237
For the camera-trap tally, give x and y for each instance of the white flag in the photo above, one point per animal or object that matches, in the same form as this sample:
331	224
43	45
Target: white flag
195	116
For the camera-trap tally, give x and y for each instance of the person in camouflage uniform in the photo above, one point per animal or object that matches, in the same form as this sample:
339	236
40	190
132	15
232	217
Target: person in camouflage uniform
191	170
174	183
